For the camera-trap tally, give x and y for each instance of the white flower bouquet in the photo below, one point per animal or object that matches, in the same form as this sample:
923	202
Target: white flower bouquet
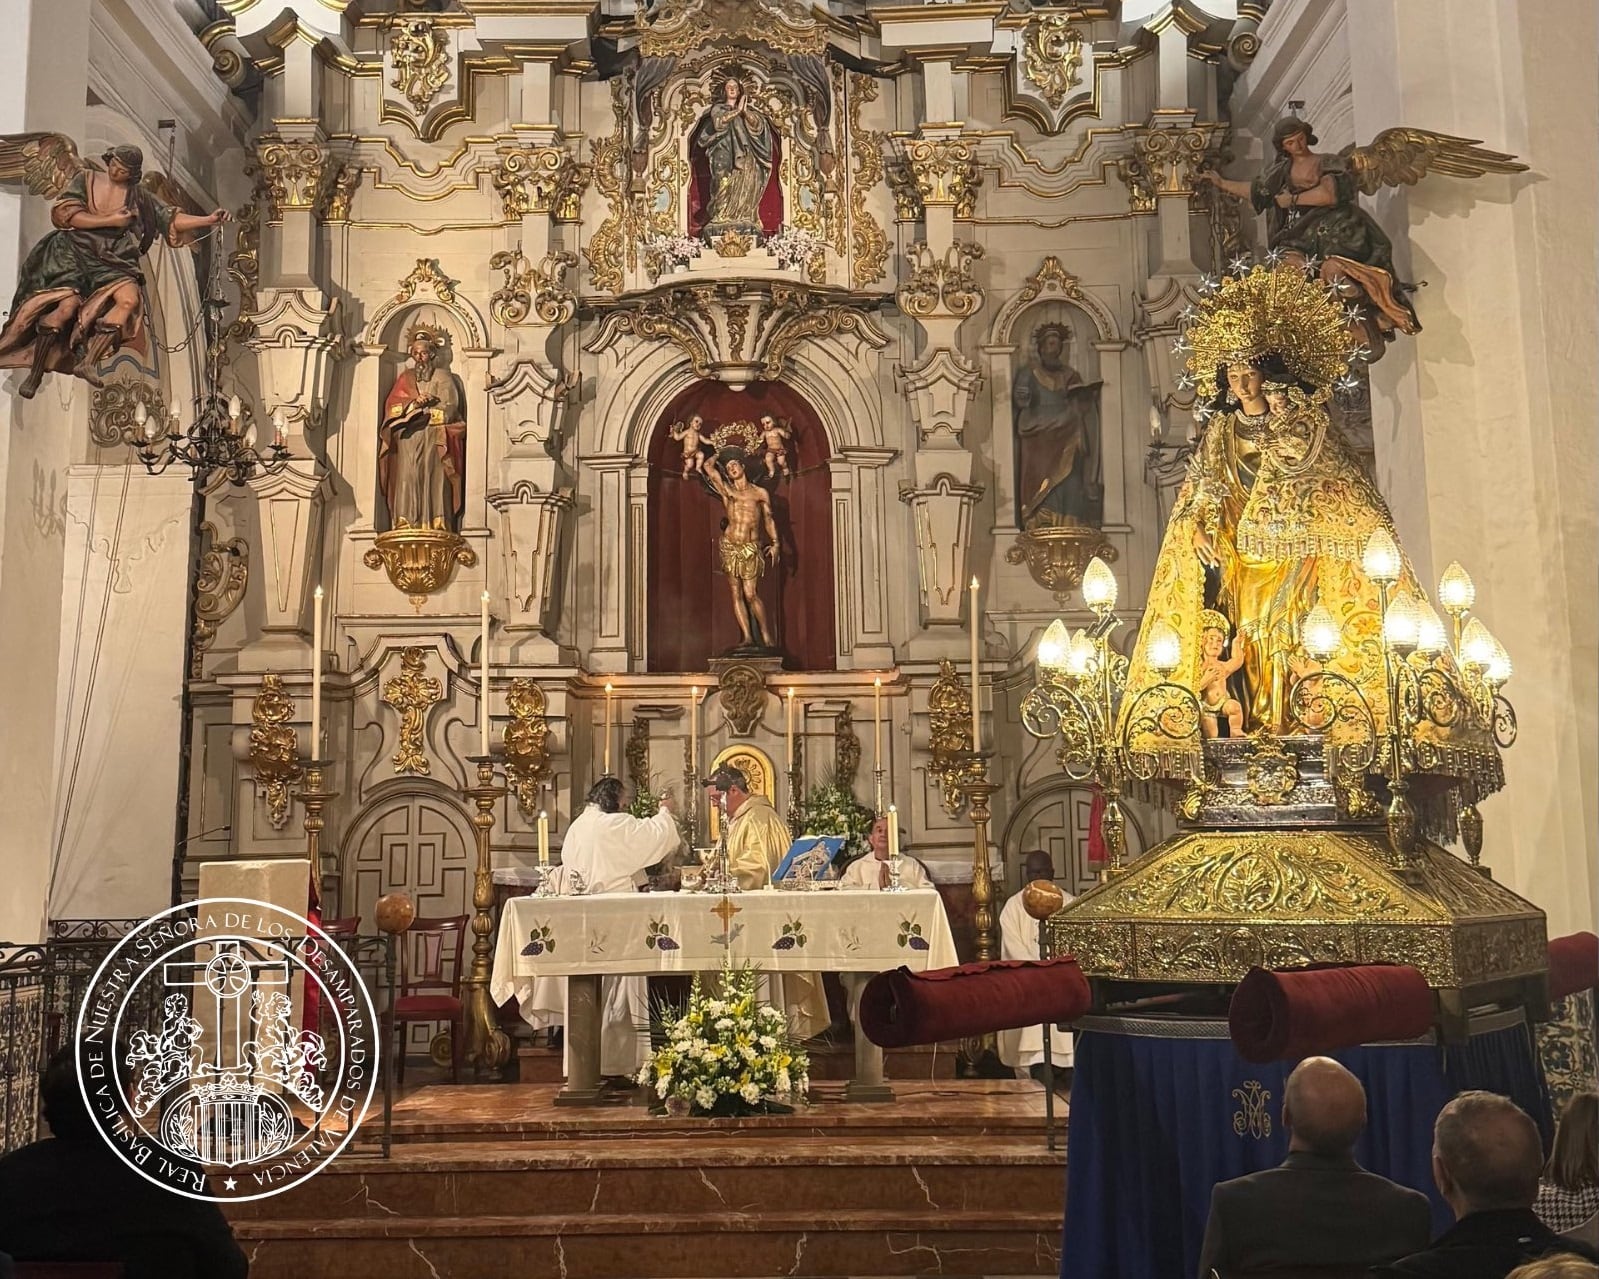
728	1055
664	253
794	248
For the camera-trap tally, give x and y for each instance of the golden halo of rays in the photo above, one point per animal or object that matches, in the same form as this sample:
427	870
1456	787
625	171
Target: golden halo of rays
1279	309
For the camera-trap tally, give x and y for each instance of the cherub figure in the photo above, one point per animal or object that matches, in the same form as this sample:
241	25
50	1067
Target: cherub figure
166	1057
1215	702
693	437
776	438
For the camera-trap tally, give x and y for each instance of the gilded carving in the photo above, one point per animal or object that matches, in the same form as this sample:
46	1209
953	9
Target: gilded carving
340	191
244	262
426	274
946	172
412	692
292	170
941	286
1172	158
1140	183
902	186
529	290
609	248
636	751
868	241
527	746
1058	552
274	749
846	750
112	411
538	180
678	27
1272	773
218	589
949	718
1052	55
419	561
742	697
421	55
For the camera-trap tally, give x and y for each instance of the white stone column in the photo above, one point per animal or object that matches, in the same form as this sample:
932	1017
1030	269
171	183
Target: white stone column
862	592
603	596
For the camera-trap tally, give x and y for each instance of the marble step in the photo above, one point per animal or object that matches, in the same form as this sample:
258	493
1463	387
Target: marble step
973	1108
713	1245
693	1176
539	1065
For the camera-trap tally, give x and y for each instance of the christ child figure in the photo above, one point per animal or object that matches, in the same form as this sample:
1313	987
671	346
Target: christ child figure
691	436
1215	702
776	438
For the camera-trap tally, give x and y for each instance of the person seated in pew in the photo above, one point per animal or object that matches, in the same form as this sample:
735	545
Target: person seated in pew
873	873
1022	1049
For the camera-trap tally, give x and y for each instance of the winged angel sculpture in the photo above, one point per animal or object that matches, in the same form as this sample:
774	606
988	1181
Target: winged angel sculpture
80	293
1313	213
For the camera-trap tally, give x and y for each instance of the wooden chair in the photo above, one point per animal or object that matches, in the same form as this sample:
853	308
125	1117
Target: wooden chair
429	986
339	929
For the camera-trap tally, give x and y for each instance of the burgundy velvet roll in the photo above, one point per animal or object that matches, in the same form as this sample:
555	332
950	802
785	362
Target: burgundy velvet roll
1573	964
1283	1016
901	1008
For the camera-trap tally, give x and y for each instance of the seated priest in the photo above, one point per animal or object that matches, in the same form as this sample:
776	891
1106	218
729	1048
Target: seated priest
1023	1049
757	838
872	872
610	850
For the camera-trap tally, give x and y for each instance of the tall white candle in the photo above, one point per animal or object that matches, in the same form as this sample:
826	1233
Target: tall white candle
316	674
483	676
606	771
791	730
544	838
977	711
877	724
694	735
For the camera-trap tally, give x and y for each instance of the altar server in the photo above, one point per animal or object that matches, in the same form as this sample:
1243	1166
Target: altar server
1023	1049
610	849
873	873
757	839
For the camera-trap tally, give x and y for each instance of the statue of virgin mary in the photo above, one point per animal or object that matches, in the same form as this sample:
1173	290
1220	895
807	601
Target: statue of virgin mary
736	140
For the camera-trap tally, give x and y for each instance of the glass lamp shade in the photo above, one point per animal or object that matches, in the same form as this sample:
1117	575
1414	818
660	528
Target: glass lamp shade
1456	591
1477	645
1099	586
1080	656
1321	633
1380	559
1431	637
1053	647
1165	647
1402	627
1499	667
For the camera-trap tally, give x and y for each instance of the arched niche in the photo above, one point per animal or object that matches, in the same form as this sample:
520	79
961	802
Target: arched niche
689	610
1057	818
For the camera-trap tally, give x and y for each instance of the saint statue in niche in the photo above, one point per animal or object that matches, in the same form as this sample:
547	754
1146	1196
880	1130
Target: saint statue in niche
1056	420
739	150
422	438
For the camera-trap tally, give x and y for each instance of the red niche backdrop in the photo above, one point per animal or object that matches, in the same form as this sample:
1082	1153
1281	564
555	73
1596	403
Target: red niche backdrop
691	615
699	189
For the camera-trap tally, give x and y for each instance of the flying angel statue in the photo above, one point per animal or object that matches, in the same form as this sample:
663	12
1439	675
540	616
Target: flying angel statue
80	293
1314	218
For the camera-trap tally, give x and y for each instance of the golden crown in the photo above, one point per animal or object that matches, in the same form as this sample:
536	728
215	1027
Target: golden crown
1211	620
1266	311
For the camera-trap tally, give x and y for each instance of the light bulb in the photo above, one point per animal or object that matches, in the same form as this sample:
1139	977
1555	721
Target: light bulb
1499	666
1477	645
1081	656
1053	646
1321	633
1157	424
249	436
1165	647
1402	627
1099	586
1380	559
1456	591
1431	637
141	415
235	407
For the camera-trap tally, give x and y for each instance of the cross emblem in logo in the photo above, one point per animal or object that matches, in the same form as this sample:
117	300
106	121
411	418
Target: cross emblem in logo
228	977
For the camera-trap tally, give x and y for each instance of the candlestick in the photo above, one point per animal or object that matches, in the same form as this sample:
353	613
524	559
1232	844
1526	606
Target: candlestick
606	771
877	725
315	751
483	676
544	838
977	731
791	730
487	1047
893	850
693	781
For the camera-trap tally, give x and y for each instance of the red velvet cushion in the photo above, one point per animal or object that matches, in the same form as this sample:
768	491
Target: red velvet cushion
1283	1016
439	1006
1573	964
902	1008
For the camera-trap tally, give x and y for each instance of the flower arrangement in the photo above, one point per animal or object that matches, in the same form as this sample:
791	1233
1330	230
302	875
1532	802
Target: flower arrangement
664	253
832	809
727	1055
794	248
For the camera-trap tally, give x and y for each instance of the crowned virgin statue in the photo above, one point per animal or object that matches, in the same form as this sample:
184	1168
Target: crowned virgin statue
1274	514
737	142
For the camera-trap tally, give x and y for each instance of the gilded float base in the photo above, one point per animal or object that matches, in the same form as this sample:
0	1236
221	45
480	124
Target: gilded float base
1206	906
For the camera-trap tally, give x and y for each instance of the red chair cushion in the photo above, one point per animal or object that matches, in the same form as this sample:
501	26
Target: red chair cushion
900	1008
1573	964
438	1007
1284	1016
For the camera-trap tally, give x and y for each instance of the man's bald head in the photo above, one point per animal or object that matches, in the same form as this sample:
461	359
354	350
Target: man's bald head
1487	1154
1037	865
1324	1107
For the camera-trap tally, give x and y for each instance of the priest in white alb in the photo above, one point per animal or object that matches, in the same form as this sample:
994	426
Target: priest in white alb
610	849
1023	1049
872	874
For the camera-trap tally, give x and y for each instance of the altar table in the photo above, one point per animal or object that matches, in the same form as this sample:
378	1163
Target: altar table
610	934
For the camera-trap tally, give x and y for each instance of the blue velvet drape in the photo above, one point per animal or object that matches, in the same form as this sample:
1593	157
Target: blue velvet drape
1162	1110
